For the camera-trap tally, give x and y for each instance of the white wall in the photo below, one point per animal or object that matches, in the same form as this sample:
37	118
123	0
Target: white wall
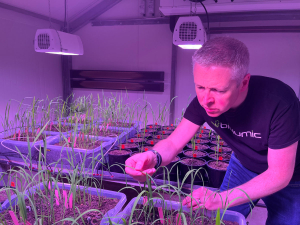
274	55
24	72
126	48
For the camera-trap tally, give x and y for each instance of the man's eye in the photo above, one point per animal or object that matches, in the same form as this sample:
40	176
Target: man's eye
201	88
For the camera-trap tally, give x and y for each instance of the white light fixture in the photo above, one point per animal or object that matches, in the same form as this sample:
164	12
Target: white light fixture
57	42
189	33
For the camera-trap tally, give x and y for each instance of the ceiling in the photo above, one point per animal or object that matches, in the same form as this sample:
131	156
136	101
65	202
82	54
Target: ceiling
75	8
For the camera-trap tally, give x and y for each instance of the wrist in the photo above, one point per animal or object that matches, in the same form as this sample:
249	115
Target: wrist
157	158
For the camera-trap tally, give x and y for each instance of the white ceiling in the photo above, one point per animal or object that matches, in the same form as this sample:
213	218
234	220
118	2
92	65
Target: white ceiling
75	8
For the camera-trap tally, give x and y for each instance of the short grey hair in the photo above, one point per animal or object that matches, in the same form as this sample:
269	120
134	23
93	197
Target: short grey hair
224	52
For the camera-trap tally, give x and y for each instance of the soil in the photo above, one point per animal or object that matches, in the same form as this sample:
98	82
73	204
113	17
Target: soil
119	152
219	165
163	132
197	146
192	162
120	124
3	196
171	128
223	149
152	126
107	133
145	217
161	136
55	128
221	143
153	141
198	153
201	141
136	140
205	131
60	212
23	137
203	136
148	130
82	144
226	157
144	135
128	145
143	148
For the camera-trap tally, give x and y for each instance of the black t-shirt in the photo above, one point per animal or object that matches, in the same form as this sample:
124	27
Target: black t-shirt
269	117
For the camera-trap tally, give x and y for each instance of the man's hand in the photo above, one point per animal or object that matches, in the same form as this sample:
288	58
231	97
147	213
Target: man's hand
141	164
204	198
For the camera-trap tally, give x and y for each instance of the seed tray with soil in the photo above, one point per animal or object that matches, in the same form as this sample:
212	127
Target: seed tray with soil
161	136
148	130
171	128
219	165
103	133
164	132
136	140
63	128
153	126
121	124
198	146
221	143
128	146
203	136
194	154
143	135
153	141
224	156
82	144
167	211
23	137
107	202
221	149
116	160
193	162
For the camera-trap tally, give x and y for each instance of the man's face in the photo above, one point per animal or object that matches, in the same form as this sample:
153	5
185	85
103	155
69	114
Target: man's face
215	90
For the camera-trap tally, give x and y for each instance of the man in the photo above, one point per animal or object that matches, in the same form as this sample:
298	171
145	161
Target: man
259	119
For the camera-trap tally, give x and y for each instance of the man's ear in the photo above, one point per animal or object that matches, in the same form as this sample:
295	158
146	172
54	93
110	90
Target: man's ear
245	82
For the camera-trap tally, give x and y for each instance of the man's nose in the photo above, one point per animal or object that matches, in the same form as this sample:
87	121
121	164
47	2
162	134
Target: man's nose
208	99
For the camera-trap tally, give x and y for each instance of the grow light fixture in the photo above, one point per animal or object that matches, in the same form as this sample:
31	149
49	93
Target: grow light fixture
189	33
56	42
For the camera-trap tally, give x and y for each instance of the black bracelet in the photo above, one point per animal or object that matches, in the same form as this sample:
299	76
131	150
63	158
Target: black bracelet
158	156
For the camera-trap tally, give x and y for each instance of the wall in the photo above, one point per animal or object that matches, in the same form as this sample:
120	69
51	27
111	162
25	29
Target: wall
24	72
274	55
126	48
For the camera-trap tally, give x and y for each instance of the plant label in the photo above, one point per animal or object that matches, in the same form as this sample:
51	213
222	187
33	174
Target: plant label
12	184
220	158
75	142
49	186
150	126
13	217
155	123
158	136
164	132
198	141
146	149
71	201
152	142
14	136
19	135
194	155
131	140
146	131
122	146
161	214
145	199
196	147
65	197
56	197
38	130
204	127
172	125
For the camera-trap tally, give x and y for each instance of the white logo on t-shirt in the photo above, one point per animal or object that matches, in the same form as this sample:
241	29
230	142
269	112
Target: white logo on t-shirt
240	134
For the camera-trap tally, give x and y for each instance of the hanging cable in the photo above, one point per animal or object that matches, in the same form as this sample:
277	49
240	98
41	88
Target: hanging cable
50	14
207	17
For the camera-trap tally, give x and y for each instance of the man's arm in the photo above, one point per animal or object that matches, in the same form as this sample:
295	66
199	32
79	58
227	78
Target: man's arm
138	165
169	148
281	164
